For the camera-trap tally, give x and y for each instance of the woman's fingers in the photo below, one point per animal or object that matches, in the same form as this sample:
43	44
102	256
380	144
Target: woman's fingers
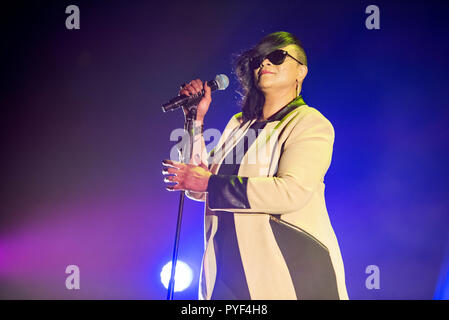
183	89
172	164
197	84
177	186
170	179
192	87
174	188
185	176
169	170
173	172
207	90
173	179
187	90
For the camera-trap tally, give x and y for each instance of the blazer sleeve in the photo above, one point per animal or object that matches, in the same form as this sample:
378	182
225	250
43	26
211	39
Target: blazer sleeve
303	163
199	147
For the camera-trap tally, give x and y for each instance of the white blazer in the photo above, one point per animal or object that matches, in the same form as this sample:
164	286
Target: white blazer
287	245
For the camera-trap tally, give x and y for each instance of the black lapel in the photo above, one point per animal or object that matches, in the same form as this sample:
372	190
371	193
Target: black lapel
295	103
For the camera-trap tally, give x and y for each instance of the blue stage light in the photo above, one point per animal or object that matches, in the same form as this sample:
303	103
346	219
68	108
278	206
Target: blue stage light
183	275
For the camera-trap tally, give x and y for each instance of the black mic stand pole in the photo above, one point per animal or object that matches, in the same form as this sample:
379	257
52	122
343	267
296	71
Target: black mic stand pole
184	156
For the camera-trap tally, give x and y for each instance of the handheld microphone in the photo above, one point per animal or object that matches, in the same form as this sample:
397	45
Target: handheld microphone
221	82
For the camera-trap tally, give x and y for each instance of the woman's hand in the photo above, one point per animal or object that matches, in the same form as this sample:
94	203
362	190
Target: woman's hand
194	87
186	176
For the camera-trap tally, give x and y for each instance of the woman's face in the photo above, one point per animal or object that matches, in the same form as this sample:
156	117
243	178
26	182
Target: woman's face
284	76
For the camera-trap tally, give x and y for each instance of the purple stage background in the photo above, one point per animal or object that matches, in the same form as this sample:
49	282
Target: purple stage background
83	137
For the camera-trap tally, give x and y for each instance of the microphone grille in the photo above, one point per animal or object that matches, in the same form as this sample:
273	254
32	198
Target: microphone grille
222	81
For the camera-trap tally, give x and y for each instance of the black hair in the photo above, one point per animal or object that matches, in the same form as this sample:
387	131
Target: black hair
252	99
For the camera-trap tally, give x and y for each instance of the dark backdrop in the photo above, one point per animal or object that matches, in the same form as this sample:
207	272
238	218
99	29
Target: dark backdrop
83	137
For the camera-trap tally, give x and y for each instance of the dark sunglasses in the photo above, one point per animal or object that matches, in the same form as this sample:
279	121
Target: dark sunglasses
276	57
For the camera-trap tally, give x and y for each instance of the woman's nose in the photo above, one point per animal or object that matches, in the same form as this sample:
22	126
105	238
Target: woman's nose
265	62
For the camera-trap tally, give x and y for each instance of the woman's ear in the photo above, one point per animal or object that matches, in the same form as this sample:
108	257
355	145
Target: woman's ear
301	75
303	70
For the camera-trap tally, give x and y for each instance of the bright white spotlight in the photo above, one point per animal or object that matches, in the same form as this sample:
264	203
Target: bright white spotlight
183	275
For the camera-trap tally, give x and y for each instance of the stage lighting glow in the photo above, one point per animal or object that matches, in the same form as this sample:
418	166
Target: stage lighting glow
183	275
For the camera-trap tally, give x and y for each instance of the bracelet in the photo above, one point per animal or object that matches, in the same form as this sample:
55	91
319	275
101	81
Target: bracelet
198	129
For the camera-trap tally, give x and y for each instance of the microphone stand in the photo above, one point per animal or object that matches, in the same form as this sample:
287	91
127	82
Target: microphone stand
185	154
